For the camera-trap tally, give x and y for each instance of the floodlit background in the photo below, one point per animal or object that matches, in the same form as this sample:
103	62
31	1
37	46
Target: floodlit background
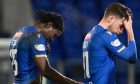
66	56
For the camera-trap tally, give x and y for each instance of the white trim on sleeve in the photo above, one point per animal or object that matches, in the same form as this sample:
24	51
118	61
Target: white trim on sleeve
43	55
121	49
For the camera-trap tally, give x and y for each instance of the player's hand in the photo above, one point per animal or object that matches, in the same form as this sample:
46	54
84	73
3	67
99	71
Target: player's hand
128	24
76	82
128	27
79	83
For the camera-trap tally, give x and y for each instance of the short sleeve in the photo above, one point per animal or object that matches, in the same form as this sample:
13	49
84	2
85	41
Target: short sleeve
37	45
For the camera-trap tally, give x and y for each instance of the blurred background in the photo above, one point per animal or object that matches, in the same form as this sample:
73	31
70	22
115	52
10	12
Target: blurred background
66	55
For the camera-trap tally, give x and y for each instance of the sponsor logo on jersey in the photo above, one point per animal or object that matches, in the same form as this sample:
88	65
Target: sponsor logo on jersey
18	34
40	47
88	36
115	43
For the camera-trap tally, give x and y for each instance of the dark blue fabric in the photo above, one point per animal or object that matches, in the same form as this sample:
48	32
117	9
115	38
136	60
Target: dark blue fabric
24	46
101	48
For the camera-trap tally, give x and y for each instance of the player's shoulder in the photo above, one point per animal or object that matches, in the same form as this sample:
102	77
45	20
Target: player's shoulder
28	30
100	31
108	34
24	33
94	32
111	38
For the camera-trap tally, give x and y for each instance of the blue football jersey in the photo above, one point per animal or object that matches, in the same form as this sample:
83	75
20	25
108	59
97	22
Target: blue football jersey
101	47
25	45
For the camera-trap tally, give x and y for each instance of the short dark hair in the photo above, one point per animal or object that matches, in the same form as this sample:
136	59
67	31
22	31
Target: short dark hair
55	18
119	10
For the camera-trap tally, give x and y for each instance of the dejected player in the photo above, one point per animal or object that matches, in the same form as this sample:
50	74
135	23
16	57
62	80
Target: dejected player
28	50
101	46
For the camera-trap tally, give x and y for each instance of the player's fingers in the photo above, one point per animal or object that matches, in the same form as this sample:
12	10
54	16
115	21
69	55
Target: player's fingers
130	18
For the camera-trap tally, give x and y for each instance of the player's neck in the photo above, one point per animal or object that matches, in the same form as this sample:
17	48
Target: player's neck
38	26
103	23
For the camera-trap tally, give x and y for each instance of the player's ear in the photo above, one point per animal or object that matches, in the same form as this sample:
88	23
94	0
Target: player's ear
110	19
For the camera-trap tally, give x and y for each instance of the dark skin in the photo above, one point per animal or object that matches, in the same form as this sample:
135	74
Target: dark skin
42	61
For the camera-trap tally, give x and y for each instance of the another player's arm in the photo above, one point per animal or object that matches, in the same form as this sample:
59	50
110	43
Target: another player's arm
50	73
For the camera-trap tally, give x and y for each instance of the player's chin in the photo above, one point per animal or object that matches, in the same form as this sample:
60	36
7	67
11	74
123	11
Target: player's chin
118	33
121	32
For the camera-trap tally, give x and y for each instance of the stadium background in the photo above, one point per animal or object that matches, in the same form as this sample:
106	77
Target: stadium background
79	17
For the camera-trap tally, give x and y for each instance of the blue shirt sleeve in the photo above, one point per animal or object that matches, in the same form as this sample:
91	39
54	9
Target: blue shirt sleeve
37	45
112	43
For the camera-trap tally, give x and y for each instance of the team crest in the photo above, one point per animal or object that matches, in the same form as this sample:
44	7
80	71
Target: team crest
115	43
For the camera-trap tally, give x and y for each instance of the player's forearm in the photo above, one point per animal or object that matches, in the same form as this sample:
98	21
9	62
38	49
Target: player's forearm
128	27
46	70
130	35
130	53
52	74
